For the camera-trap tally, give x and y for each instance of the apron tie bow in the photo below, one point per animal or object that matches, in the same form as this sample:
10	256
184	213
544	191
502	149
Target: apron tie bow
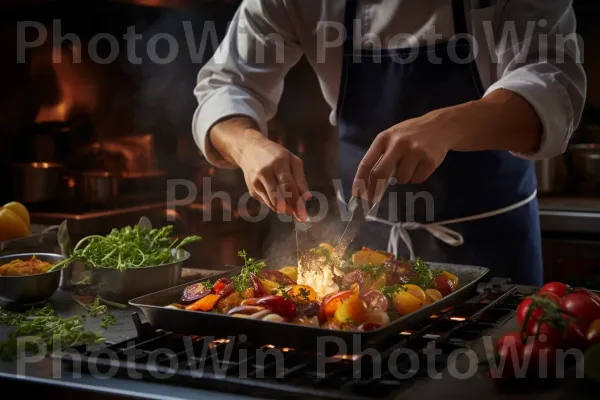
400	231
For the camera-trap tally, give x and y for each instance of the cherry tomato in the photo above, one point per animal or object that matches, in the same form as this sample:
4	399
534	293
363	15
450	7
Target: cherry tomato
593	333
549	334
406	303
333	301
452	277
536	314
353	310
538	354
558	288
375	300
509	350
302	294
583	306
444	284
432	295
575	337
588	293
279	305
415	291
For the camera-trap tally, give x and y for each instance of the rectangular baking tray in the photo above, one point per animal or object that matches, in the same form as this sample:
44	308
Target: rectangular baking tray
283	334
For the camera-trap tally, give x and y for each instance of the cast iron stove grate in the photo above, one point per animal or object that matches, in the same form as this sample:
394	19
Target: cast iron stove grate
235	365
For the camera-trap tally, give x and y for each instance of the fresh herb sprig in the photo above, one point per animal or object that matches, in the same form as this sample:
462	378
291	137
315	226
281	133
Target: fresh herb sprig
55	332
389	291
94	308
108	320
242	281
128	247
424	274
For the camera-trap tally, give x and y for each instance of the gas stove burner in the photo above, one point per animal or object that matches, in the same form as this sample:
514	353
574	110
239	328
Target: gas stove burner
235	365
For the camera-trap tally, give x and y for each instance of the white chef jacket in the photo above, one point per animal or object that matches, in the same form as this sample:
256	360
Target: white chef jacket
267	38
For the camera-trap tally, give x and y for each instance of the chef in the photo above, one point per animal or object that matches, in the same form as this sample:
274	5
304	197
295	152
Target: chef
452	99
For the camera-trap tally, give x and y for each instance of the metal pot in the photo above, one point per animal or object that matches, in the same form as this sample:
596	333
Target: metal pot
37	181
551	175
122	286
586	160
96	188
33	288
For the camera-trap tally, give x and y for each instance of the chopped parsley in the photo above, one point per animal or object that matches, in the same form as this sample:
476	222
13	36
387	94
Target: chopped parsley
389	291
108	320
243	281
424	275
303	294
373	271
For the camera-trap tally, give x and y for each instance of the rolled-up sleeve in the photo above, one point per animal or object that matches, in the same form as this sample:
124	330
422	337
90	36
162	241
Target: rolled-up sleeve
544	66
245	75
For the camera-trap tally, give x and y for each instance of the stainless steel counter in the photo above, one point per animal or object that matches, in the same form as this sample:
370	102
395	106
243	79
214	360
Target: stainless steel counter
570	215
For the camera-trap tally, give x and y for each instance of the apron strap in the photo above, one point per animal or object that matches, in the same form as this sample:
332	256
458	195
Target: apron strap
459	17
349	16
400	230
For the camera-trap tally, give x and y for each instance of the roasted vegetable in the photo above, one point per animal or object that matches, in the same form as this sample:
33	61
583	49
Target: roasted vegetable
290	272
276	276
352	310
301	294
312	309
333	301
229	302
279	305
195	292
259	289
367	256
444	284
206	303
248	310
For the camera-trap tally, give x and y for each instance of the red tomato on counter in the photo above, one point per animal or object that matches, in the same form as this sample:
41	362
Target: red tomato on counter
557	288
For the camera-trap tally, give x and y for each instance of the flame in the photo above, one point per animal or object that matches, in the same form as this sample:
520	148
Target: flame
77	91
216	343
347	357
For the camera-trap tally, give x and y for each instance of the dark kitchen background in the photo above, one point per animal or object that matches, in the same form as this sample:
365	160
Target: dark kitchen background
68	128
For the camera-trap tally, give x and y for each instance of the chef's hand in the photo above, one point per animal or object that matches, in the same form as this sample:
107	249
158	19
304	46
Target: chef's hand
413	149
409	151
273	175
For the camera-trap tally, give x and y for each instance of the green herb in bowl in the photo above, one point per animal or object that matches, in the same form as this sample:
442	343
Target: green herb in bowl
128	248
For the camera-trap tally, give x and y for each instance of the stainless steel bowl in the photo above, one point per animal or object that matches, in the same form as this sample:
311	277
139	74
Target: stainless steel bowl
33	288
122	286
586	159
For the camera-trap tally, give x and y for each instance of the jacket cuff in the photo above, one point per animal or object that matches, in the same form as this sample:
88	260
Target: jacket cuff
219	107
550	101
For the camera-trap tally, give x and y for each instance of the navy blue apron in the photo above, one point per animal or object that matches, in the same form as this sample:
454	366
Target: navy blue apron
379	90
